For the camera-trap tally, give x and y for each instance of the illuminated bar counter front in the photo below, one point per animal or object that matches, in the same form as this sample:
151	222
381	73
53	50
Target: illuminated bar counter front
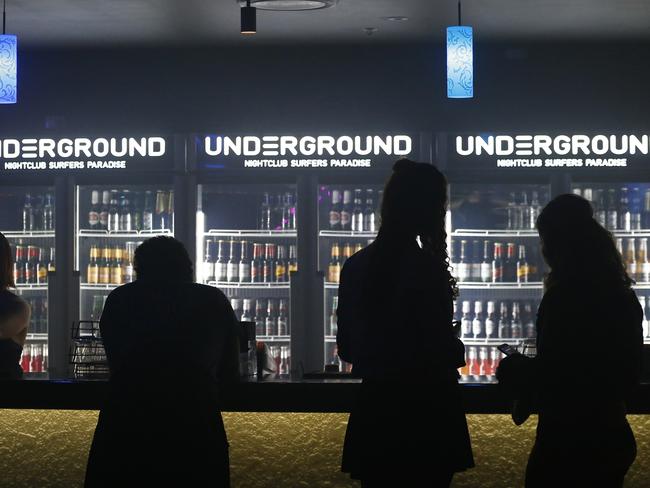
282	433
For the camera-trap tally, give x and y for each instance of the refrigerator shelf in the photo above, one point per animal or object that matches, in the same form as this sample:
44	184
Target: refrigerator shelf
330	339
250	286
41	234
251	233
32	287
37	337
98	286
631	233
347	233
125	234
496	341
641	285
467	285
331	286
273	338
493	233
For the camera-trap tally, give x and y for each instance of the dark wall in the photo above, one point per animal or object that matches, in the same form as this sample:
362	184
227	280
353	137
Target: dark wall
545	87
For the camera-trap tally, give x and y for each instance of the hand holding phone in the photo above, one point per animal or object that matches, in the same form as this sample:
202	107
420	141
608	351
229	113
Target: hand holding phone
507	349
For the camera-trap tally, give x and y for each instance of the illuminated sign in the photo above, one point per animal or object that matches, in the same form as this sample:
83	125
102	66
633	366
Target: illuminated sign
546	151
81	153
307	152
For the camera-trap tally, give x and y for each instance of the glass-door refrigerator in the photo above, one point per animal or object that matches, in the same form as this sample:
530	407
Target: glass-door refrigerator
496	258
27	220
246	244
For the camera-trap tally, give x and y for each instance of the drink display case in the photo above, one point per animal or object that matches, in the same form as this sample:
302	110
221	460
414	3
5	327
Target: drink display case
624	209
348	220
496	258
111	221
27	219
246	245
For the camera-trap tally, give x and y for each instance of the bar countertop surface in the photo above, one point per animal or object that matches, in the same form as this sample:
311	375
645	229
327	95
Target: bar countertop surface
267	395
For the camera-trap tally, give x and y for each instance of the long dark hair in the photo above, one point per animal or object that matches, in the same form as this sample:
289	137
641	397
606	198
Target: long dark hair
6	265
415	206
577	248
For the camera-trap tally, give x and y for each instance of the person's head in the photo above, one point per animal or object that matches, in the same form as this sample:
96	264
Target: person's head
576	247
415	201
6	264
163	259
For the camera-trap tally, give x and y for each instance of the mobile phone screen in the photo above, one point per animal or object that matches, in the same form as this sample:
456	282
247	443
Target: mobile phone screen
507	349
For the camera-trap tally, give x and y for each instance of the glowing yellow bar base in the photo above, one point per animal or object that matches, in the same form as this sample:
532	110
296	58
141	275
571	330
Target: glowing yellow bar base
48	448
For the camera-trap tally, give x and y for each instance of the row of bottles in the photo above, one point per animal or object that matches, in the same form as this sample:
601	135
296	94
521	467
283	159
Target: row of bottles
127	211
111	264
360	214
635	257
522	212
34	358
486	262
38	212
619	209
271	315
339	253
232	262
38	307
278	212
497	320
481	363
32	263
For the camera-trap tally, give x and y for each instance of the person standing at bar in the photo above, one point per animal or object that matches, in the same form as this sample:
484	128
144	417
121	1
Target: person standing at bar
589	311
171	347
14	318
395	315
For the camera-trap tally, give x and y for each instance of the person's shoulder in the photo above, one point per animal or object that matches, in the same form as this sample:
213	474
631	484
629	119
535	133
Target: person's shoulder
207	292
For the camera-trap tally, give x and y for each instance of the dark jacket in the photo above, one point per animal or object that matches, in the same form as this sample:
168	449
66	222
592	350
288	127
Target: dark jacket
167	345
14	311
395	327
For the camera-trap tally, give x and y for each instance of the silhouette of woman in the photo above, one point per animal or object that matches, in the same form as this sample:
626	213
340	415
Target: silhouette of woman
395	327
589	344
169	342
14	318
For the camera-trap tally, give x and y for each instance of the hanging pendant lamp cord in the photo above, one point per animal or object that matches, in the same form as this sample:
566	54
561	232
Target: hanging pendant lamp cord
459	17
4	17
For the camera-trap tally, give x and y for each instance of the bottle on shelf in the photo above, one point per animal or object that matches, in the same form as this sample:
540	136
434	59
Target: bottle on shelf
265	213
31	265
93	214
283	318
116	266
257	265
334	266
498	264
357	212
369	220
92	273
170	212
335	211
105	266
484	362
463	264
293	211
29	219
466	320
534	210
51	262
221	265
612	213
475	264
37	204
208	262
529	321
269	263
126	218
600	210
285	217
247	311
41	272
244	263
523	211
346	211
232	267
292	263
646	210
114	212
137	210
630	258
635	208
643	266
236	304
624	212
161	218
644	322
260	320
104	209
503	330
48	213
285	360
522	265
478	322
19	264
512	213
333	324
486	264
271	322
490	321
129	268
281	273
516	327
147	211
347	251
510	265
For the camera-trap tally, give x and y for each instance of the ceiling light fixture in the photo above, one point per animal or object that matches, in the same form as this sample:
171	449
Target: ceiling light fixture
8	63
460	60
395	18
248	19
293	5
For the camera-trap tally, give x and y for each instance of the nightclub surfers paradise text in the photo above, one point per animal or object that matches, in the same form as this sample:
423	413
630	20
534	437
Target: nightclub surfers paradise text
308	151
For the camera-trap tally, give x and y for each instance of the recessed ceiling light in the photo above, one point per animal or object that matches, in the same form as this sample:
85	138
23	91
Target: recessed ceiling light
292	5
395	18
370	30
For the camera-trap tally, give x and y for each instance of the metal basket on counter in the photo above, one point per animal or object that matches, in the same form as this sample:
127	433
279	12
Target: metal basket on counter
87	355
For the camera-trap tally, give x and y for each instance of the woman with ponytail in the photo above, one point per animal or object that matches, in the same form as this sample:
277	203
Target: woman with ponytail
589	316
395	326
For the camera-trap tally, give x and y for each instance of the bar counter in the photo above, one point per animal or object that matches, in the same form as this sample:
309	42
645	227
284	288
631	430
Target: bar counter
268	395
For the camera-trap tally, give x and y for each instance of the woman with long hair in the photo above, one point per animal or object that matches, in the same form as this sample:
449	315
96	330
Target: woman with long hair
395	325
589	315
14	317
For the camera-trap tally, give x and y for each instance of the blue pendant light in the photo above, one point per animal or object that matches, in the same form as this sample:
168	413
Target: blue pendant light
8	63
460	60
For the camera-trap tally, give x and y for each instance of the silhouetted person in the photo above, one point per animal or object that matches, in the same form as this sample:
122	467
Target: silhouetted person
589	345
169	342
14	318
395	326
